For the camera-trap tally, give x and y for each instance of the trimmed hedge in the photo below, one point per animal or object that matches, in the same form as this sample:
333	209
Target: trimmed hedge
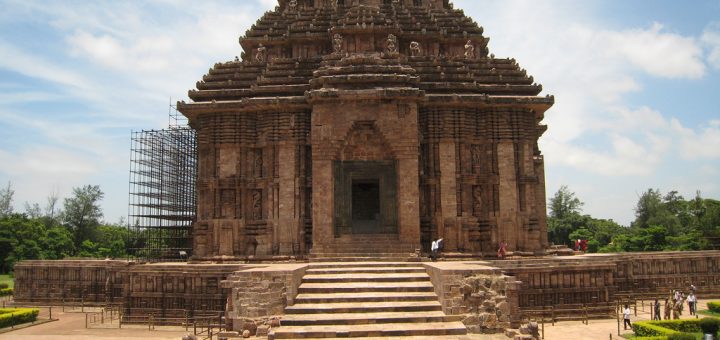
651	328
710	325
682	336
15	316
6	291
666	327
714	306
4	285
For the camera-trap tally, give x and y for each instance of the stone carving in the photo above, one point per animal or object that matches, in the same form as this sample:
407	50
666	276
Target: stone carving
261	54
337	43
258	163
292	5
469	50
414	49
391	45
476	155
257	204
477	200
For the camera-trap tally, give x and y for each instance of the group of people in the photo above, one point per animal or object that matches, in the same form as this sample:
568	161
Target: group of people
674	304
437	245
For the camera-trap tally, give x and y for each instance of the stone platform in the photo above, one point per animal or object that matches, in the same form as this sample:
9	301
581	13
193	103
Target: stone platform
317	298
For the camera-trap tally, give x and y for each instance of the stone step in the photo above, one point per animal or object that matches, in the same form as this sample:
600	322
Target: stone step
420	337
373	269
368	330
366	297
335	264
363	307
342	258
358	287
366	318
365	277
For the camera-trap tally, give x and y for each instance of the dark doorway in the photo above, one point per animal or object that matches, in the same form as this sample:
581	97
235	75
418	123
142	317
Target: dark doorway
366	204
365	197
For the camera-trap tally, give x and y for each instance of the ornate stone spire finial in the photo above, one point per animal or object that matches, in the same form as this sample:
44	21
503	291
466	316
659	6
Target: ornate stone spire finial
261	54
469	50
391	45
414	49
337	42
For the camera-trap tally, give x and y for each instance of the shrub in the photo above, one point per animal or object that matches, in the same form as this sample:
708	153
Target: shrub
15	316
651	328
714	306
4	285
709	325
681	336
6	291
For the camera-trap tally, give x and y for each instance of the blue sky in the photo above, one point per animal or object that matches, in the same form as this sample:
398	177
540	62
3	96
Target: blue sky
637	88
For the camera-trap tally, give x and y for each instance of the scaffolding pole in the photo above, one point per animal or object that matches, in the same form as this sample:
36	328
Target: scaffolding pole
162	202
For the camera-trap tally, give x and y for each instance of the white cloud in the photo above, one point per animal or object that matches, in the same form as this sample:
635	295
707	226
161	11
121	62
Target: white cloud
702	144
14	59
711	39
658	53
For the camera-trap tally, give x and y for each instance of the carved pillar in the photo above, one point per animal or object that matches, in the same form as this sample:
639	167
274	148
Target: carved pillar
287	227
447	225
507	222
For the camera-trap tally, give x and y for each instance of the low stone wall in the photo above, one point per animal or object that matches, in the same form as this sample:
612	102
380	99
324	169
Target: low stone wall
481	294
593	284
173	291
168	291
91	282
257	294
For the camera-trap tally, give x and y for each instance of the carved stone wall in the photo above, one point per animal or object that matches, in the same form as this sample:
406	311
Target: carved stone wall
251	164
410	82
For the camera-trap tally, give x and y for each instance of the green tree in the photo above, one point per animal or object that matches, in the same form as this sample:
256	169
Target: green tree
564	216
20	238
58	244
648	205
6	198
564	203
82	213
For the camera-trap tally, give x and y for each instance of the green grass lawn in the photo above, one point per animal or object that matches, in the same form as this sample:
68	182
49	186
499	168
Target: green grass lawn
7	279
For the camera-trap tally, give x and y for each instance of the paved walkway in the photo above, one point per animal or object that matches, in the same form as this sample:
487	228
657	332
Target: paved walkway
71	326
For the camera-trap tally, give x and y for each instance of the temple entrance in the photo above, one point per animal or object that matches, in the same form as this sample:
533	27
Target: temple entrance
365	205
365	197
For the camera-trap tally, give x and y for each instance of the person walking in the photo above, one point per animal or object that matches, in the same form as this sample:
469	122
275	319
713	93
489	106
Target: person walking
501	250
668	308
626	317
434	250
656	312
692	303
676	309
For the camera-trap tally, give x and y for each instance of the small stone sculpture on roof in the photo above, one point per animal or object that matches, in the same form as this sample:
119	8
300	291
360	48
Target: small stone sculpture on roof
469	50
337	43
261	54
391	45
292	5
414	49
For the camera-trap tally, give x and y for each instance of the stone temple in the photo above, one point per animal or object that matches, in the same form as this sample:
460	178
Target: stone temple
346	137
356	120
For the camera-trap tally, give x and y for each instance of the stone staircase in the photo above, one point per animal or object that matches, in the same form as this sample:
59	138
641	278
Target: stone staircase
364	248
368	299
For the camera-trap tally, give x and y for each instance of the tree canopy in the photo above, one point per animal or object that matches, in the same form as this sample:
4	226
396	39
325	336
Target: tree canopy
662	222
52	234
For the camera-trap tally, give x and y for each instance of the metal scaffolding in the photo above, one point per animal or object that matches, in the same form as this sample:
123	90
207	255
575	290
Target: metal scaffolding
162	203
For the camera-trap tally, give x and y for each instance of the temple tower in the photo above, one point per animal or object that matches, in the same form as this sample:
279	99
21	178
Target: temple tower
348	118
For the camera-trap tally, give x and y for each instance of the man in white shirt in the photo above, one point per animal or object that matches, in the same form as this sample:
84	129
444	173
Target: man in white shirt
692	300
626	317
